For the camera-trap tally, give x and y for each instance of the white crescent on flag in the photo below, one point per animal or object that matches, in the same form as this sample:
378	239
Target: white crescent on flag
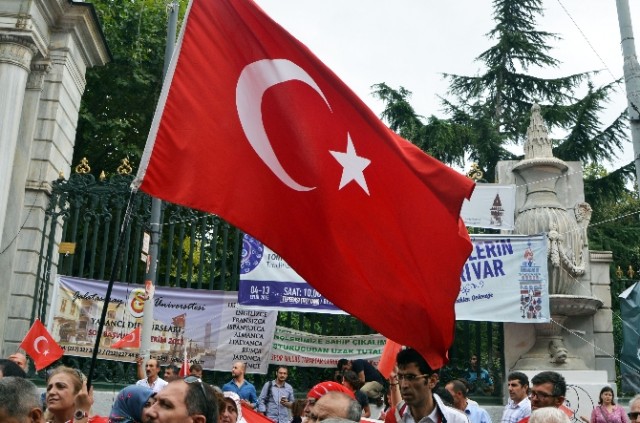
37	341
131	337
255	79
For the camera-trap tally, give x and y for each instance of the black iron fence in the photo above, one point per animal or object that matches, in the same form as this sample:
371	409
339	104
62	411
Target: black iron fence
200	251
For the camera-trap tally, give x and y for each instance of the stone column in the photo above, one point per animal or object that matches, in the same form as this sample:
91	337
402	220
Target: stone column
15	64
19	219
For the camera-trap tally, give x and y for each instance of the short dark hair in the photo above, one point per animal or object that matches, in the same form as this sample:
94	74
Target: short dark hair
282	366
341	363
459	386
520	377
409	355
173	367
554	378
196	404
353	379
9	368
197	367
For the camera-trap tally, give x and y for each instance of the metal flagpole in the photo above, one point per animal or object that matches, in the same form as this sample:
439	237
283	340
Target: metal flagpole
631	79
156	210
107	298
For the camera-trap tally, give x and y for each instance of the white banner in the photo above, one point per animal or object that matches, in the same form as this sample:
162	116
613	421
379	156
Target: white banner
295	348
491	206
215	331
505	279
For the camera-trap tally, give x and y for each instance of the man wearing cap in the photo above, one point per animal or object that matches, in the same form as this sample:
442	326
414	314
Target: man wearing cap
335	405
322	389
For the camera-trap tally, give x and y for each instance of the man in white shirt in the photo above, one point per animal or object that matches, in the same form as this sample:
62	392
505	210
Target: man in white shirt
458	391
417	380
152	380
519	405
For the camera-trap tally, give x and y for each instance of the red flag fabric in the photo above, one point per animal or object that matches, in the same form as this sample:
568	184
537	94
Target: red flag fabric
184	370
252	416
388	359
40	346
132	340
253	127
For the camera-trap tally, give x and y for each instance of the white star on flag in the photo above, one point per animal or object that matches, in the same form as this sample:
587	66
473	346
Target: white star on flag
353	166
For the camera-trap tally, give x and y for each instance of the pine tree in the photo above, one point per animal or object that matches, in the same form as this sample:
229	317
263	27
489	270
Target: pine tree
491	111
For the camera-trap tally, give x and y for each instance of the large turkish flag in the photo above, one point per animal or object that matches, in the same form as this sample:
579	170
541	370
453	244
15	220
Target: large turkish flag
253	127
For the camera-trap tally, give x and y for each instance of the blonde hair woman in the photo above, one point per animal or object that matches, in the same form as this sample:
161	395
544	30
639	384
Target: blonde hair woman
67	397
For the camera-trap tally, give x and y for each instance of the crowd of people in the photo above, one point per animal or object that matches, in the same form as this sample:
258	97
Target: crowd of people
413	393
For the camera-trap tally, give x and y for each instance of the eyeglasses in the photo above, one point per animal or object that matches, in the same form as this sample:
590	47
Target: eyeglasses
409	377
195	379
540	395
633	415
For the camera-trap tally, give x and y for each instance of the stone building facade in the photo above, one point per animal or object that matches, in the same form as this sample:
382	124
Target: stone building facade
46	47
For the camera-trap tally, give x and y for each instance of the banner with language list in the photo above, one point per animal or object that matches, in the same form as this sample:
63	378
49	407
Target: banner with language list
215	331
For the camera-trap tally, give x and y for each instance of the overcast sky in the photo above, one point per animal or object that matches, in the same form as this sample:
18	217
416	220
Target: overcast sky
410	43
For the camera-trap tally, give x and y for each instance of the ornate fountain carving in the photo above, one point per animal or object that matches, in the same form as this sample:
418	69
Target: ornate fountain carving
567	240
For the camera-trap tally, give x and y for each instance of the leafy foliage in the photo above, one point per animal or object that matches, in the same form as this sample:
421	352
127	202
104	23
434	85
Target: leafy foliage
120	98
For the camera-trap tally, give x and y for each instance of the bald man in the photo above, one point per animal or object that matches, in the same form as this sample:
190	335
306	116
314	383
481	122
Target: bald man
238	384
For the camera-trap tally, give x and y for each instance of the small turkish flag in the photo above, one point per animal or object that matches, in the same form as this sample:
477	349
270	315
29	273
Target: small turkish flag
132	340
184	370
40	346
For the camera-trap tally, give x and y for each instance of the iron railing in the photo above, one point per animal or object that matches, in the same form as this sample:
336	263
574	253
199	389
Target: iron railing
197	250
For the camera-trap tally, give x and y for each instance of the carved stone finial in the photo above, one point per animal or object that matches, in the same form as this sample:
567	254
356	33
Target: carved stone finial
83	168
102	176
630	272
61	175
537	144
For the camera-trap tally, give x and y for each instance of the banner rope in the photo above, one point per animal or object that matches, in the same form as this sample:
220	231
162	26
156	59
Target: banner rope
571	331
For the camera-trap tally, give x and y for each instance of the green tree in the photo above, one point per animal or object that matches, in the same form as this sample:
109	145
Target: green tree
491	111
120	99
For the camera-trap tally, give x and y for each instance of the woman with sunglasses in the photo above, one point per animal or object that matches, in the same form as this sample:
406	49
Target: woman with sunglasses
67	398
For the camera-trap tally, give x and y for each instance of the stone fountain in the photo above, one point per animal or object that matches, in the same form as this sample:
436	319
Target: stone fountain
550	199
